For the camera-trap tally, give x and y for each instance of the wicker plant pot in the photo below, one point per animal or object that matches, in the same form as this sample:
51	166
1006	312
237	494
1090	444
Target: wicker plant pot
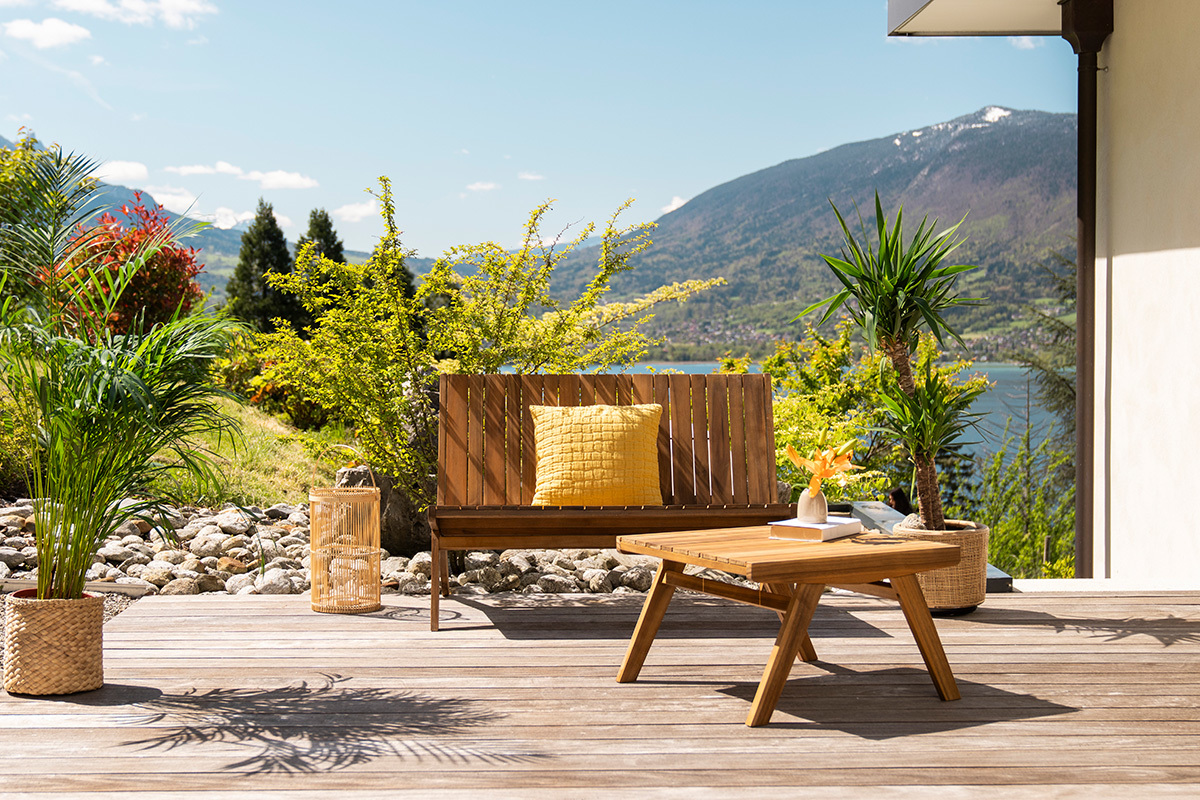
962	588
53	646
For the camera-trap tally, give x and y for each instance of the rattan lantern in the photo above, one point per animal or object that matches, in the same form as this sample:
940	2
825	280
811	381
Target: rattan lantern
345	552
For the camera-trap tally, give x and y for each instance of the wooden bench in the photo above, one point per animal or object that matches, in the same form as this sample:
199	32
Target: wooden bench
716	452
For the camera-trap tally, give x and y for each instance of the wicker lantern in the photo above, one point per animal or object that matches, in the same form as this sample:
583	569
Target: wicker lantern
345	549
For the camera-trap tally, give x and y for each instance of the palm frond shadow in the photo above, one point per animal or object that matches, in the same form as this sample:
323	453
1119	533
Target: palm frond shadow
321	727
1169	630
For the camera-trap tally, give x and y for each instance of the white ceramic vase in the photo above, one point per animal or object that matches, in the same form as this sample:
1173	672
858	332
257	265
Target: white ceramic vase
812	508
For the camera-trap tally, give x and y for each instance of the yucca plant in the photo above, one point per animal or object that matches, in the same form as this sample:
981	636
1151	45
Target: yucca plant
104	414
899	288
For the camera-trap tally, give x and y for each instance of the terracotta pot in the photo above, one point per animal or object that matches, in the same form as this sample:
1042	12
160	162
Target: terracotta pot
53	646
812	509
962	588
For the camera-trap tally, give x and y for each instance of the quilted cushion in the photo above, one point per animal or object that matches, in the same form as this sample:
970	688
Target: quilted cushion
596	455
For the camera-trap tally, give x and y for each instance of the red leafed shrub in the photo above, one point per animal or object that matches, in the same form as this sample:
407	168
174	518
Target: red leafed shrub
165	282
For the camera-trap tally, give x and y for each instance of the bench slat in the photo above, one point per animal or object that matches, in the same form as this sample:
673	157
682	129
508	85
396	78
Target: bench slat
452	441
682	455
718	436
760	463
495	400
737	439
700	439
474	438
531	395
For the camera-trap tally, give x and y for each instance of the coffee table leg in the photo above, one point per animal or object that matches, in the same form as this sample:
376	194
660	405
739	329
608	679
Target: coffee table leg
787	643
647	626
916	611
807	651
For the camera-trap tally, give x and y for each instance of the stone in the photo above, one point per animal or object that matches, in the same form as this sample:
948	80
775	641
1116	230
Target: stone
210	583
134	560
421	564
181	586
298	518
233	522
231	565
31	555
231	542
115	553
235	584
275	581
128	528
480	559
149	588
12	557
280	511
596	580
5	571
290	540
533	588
638	578
171	556
394	564
557	584
17	542
271	532
204	546
191	564
491	579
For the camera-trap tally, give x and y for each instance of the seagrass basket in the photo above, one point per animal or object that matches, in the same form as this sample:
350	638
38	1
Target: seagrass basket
963	586
345	555
53	646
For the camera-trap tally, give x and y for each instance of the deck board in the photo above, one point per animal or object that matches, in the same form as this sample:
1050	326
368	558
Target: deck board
1064	695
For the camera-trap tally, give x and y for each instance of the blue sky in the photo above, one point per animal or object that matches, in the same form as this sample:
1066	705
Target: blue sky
478	111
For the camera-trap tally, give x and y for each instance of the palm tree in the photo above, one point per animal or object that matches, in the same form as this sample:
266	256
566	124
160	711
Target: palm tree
104	414
900	289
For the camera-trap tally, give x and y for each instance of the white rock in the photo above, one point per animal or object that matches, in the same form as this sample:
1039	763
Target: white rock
421	564
235	584
233	522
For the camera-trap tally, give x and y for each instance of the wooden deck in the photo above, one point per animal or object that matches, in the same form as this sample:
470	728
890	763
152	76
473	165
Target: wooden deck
250	697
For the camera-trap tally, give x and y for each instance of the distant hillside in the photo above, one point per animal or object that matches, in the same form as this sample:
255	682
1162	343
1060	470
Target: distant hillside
1014	171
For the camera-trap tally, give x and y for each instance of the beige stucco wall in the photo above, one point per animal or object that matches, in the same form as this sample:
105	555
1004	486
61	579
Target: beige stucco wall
1148	285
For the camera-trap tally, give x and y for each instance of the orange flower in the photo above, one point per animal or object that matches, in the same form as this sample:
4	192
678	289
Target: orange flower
823	463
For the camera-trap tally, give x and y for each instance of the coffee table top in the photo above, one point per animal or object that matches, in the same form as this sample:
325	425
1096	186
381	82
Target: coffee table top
751	552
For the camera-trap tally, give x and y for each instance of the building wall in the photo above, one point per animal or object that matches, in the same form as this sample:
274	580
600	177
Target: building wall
1148	304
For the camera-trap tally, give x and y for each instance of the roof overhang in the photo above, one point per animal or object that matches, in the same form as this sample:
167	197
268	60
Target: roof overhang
974	18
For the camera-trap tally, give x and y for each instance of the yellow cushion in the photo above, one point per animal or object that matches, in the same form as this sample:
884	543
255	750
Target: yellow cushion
597	455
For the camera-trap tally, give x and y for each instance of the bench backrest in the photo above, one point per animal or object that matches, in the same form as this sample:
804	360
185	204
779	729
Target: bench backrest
716	442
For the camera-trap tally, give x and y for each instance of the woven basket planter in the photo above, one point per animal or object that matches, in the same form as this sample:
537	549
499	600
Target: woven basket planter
345	554
53	646
961	587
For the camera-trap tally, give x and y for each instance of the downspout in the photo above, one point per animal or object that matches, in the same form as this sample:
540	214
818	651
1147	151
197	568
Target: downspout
1086	24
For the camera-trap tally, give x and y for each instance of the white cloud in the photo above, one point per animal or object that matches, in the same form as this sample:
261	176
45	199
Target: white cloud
482	186
278	179
465	152
225	168
530	176
676	202
283	220
356	212
15	3
20	119
172	198
51	32
97	61
1024	42
181	14
122	172
225	218
191	169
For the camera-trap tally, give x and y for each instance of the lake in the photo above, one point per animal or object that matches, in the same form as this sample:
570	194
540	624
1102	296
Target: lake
1012	396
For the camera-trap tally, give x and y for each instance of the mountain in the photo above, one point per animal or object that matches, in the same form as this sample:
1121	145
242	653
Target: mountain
1013	171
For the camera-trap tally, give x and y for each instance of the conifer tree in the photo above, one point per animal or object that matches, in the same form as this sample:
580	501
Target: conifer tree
320	230
264	250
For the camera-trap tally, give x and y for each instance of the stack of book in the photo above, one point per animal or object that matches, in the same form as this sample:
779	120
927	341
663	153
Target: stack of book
833	528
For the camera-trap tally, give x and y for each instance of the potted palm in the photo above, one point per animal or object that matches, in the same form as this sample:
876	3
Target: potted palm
105	415
899	288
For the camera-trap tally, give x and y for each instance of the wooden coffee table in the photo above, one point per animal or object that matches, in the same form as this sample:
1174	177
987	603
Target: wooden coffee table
792	575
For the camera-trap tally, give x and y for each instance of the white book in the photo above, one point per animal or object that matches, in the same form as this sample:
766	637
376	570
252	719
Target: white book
834	527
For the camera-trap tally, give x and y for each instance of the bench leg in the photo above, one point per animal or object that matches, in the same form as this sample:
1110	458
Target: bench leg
435	579
916	611
787	644
647	626
807	651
